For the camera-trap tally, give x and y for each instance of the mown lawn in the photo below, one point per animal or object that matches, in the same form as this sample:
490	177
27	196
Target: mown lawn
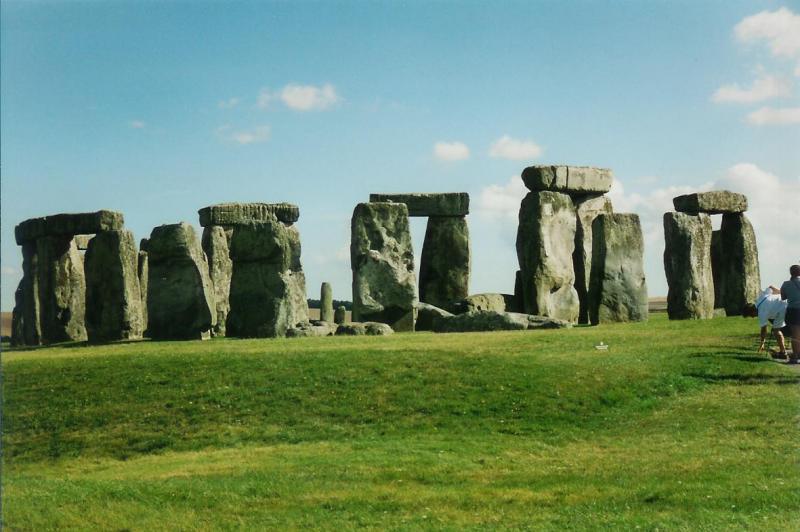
678	426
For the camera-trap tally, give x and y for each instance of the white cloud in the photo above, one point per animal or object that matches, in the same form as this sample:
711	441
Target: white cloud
136	124
501	202
309	97
769	116
246	136
451	151
230	103
780	29
764	88
517	150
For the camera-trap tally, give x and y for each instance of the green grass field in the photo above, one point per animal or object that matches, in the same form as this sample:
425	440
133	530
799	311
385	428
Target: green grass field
678	426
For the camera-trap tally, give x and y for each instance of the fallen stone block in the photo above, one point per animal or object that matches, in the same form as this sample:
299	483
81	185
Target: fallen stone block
428	204
568	179
489	320
244	213
713	202
426	314
367	328
687	264
495	302
311	329
68	225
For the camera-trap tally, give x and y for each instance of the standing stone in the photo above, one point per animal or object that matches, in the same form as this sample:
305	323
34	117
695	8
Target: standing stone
587	208
30	309
340	316
17	316
62	289
736	271
545	242
716	268
113	298
618	291
216	244
382	258
142	271
180	296
445	262
687	264
326	303
268	287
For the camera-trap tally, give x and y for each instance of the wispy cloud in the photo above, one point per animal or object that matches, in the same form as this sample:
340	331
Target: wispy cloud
517	150
253	135
451	151
765	88
769	116
137	124
501	202
230	103
300	97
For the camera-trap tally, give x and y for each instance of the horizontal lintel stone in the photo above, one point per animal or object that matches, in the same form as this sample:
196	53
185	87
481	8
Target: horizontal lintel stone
568	179
244	213
87	223
712	202
429	204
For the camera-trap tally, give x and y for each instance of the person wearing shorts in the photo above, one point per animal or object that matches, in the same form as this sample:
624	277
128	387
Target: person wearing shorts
770	309
790	292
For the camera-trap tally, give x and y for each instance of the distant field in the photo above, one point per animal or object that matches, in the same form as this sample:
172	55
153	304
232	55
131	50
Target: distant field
677	426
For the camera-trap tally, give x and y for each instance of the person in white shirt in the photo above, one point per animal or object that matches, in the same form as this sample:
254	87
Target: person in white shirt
770	309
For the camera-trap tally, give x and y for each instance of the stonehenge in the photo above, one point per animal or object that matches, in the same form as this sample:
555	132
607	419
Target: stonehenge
709	272
556	251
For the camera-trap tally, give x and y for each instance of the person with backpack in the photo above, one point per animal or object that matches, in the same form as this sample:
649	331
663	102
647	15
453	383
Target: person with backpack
790	292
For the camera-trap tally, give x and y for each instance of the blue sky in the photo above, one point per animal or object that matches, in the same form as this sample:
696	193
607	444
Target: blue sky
158	109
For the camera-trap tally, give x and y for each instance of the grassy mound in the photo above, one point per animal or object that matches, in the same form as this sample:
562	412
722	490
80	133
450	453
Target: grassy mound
677	425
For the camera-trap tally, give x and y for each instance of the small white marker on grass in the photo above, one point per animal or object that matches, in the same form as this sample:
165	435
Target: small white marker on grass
601	346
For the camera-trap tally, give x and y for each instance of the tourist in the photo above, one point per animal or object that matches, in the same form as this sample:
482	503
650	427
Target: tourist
770	309
790	291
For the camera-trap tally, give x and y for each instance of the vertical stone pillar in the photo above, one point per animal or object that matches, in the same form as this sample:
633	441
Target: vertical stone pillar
587	209
142	269
445	262
29	311
268	287
326	303
180	296
62	289
545	243
216	244
738	272
687	264
617	289
382	259
17	318
113	298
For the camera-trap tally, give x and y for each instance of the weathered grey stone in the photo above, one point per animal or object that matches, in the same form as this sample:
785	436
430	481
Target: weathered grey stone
216	244
68	225
142	271
382	259
490	320
311	329
62	289
712	202
244	213
82	241
113	299
495	302
268	287
30	310
180	296
568	179
545	242
587	208
716	267
737	279
18	316
340	315
428	204
720	313
426	314
445	262
368	328
326	303
618	290
687	264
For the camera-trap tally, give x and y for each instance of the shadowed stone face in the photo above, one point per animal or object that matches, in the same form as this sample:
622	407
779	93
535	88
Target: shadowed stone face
737	279
384	285
113	298
687	264
27	307
618	291
445	262
61	290
587	208
713	202
180	296
545	243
